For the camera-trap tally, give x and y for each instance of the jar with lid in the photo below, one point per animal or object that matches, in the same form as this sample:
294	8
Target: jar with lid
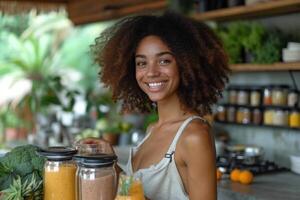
243	97
279	95
293	98
59	173
243	115
96	177
255	97
268	116
256	116
231	114
280	117
294	118
232	95
221	113
267	96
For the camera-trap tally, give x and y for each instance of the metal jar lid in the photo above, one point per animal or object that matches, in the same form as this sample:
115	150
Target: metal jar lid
95	160
57	153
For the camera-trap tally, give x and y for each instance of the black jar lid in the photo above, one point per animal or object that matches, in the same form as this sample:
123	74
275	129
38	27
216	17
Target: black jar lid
57	153
96	160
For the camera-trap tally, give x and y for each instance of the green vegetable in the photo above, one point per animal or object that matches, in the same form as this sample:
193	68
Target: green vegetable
21	173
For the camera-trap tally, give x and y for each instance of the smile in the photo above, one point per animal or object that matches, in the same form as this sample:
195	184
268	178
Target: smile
155	85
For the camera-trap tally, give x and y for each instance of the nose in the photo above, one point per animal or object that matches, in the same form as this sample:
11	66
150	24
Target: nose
153	69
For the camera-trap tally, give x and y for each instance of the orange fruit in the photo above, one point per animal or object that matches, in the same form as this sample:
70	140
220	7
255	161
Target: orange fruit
246	177
219	174
235	175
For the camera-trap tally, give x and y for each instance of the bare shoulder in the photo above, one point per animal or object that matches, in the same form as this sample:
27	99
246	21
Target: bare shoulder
196	132
196	140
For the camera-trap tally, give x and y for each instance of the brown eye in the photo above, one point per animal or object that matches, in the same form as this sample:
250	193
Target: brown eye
140	64
164	61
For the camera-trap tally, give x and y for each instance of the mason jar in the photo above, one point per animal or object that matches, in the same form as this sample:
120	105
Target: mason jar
268	116
59	173
294	118
279	95
96	177
232	95
221	113
243	115
267	96
243	97
231	114
255	97
256	116
293	98
280	117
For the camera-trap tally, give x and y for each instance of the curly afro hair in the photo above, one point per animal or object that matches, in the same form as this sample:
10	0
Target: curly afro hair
201	59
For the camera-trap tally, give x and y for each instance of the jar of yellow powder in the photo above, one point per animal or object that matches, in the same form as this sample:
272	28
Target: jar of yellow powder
59	173
294	118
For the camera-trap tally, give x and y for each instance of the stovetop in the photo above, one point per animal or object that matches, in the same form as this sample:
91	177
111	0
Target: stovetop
227	164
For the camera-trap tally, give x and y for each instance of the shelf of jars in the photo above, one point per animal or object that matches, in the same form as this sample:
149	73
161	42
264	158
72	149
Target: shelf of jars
245	67
250	11
272	106
258	125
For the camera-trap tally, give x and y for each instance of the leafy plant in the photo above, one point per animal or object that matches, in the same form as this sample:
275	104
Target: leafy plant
21	173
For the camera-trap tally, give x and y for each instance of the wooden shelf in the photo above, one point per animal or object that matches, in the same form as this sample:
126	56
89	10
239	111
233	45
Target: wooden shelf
292	66
256	10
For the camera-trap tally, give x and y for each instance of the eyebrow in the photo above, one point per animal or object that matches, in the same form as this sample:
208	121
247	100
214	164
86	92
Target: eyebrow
159	54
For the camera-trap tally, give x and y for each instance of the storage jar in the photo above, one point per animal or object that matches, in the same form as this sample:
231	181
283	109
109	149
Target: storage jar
279	95
59	173
96	177
294	118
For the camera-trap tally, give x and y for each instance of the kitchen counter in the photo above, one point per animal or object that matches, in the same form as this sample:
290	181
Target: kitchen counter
273	186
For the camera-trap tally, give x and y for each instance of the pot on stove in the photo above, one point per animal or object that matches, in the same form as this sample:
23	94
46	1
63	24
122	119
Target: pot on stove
245	154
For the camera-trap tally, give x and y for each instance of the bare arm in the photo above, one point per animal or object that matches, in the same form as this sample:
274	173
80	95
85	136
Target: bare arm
198	154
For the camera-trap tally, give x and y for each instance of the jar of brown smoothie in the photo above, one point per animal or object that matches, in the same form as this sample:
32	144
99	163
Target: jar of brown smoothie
96	177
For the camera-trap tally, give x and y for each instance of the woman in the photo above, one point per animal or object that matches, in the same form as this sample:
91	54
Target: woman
178	67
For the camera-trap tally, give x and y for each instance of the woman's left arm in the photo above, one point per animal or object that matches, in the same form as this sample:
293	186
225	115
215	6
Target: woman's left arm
198	153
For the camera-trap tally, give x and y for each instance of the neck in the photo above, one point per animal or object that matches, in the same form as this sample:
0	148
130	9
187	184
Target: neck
171	110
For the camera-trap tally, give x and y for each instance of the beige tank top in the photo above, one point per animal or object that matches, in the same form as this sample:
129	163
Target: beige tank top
162	180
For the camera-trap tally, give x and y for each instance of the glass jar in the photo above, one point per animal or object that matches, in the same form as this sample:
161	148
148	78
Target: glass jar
268	116
293	98
96	177
294	118
255	97
59	173
243	97
221	113
232	95
256	116
267	96
243	115
280	117
231	114
279	95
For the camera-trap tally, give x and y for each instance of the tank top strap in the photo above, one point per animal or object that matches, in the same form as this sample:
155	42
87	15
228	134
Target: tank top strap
181	129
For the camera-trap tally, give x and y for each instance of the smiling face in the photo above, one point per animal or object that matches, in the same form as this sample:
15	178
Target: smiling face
156	69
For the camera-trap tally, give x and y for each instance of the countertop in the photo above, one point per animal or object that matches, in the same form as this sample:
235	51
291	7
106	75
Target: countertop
272	186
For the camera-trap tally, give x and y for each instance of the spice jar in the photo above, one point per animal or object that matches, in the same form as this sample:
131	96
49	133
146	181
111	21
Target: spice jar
280	117
279	95
96	177
232	95
256	116
231	114
294	118
255	97
293	98
267	96
268	116
221	113
243	115
59	173
243	97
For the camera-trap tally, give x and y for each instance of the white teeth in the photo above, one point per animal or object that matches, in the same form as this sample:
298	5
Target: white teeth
155	84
